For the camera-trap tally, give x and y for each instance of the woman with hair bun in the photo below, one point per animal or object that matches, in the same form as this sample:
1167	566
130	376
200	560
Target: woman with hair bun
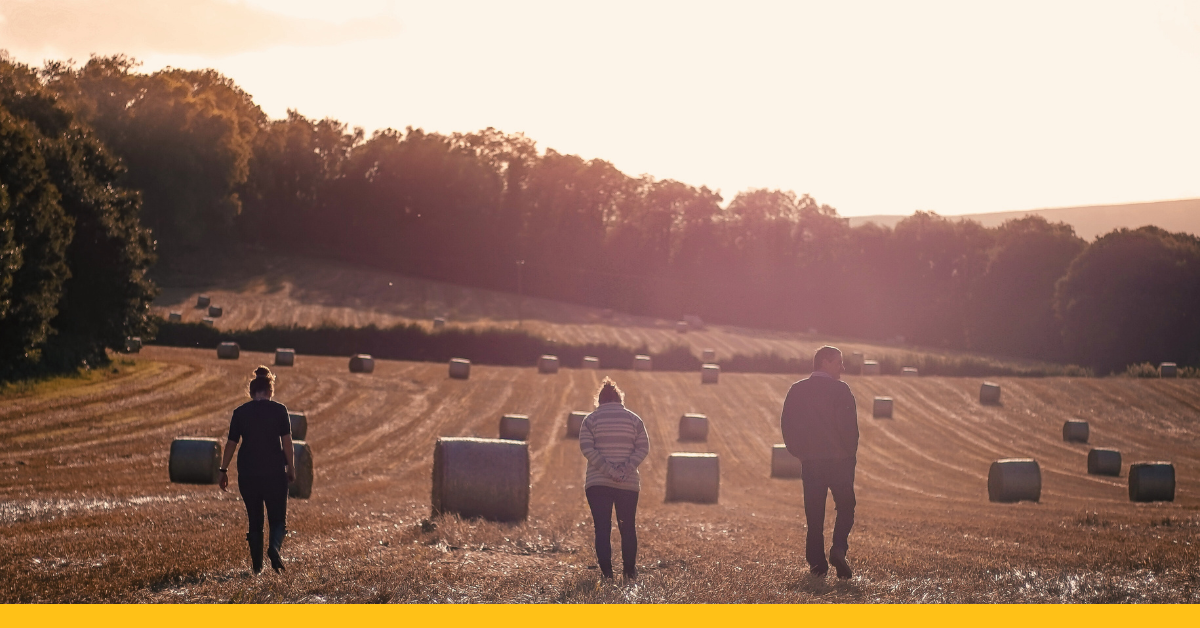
265	465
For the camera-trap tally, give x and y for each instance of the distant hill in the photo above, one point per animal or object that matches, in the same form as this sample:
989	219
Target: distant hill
1089	221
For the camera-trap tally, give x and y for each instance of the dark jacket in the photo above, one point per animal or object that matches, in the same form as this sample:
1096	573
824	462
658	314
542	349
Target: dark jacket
820	420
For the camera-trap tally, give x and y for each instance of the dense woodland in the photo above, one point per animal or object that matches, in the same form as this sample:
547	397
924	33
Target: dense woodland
208	168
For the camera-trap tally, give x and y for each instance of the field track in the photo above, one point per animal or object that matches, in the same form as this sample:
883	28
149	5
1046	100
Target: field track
87	513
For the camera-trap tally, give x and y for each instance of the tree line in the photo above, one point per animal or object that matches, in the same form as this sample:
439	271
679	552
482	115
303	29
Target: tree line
212	169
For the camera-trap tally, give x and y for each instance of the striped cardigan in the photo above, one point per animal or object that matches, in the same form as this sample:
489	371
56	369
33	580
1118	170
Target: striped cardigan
614	442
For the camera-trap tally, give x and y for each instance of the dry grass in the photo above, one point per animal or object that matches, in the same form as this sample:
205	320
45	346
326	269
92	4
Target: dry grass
87	514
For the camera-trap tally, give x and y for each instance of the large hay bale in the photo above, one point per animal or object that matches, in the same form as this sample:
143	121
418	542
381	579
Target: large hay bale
362	363
708	356
548	364
302	458
1075	431
514	427
460	368
1014	480
175	317
870	367
477	477
909	371
439	323
133	344
285	357
642	363
681	327
1103	461
195	460
784	464
228	351
202	301
989	393
693	478
574	422
215	311
1151	482
207	321
1168	369
693	427
882	408
299	425
710	373
694	322
591	362
855	363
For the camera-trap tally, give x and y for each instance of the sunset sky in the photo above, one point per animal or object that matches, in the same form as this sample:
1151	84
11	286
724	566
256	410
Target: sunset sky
872	107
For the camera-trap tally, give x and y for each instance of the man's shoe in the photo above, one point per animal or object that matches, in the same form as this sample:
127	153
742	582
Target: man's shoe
276	561
838	560
818	572
630	574
606	571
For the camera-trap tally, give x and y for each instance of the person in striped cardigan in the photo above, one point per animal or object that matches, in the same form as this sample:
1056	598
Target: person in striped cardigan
614	441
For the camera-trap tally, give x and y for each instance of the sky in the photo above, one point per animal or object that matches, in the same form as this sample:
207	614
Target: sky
871	107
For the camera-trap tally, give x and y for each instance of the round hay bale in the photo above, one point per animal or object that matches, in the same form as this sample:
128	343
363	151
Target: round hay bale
215	311
882	408
681	327
709	356
855	363
228	351
870	367
591	362
606	313
439	323
693	427
299	425
207	321
302	458
1168	369
694	322
478	477
574	422
548	364
1014	480
514	427
195	460
710	373
133	344
1151	482
642	363
784	464
1075	431
285	357
460	368
908	371
989	393
362	363
693	478
202	301
175	317
1104	461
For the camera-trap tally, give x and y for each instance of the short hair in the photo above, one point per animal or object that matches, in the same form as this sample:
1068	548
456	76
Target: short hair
825	353
609	393
264	381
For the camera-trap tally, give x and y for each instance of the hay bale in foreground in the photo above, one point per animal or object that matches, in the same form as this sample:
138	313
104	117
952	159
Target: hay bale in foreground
1014	480
1075	431
207	321
460	368
693	478
708	356
514	427
574	422
784	464
681	327
548	364
882	408
693	427
1168	369
709	374
285	357
870	367
302	458
299	425
478	477
215	311
202	300
909	371
439	323
989	393
1102	461
175	317
362	363
1151	482
228	351
133	344
591	362
195	460
642	363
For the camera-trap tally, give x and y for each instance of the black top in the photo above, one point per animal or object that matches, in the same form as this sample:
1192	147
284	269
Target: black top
260	423
820	420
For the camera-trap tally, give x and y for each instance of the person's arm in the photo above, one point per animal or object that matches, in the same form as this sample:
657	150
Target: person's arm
227	458
788	422
289	454
849	422
641	445
587	445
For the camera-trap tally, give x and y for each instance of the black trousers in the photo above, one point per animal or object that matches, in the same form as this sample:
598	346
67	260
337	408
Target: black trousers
272	491
601	500
822	477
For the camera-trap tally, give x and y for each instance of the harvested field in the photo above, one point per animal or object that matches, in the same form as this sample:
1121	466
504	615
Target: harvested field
87	512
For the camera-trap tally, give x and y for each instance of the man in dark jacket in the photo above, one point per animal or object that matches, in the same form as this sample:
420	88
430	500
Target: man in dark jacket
820	427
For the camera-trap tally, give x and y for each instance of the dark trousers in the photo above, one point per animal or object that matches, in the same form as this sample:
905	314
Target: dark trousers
602	499
273	491
822	477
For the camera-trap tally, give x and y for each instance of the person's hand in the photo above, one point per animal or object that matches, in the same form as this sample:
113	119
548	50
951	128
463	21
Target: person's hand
291	473
225	481
617	472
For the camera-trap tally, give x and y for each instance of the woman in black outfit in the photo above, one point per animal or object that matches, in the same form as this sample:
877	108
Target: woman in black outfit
265	465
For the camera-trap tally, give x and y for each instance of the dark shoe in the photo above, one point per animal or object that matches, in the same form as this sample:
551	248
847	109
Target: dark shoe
630	573
276	561
606	571
818	572
838	560
256	553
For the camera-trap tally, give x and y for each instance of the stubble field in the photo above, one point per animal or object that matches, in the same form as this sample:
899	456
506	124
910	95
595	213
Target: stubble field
87	512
